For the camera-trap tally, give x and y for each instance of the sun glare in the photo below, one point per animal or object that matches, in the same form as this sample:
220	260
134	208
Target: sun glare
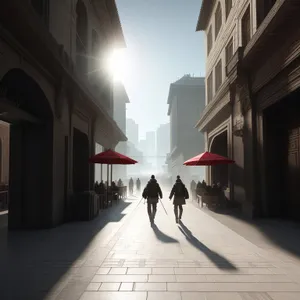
117	64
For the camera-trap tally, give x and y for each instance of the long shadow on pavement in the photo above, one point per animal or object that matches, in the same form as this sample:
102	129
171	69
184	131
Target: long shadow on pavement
220	261
37	261
162	236
279	232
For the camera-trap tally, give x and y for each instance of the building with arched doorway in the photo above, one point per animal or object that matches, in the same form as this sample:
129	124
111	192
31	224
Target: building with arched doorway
57	98
253	84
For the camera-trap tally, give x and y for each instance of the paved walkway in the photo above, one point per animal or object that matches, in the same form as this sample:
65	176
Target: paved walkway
119	256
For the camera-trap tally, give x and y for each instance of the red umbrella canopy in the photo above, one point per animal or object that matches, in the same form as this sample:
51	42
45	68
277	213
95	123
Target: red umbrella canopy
111	157
208	159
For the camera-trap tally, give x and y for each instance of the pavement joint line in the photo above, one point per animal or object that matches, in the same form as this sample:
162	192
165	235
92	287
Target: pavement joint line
125	223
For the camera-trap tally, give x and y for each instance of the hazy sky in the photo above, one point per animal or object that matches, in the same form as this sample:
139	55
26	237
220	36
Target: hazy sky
162	46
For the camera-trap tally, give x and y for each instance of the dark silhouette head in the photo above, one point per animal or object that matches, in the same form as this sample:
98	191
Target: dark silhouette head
152	177
178	177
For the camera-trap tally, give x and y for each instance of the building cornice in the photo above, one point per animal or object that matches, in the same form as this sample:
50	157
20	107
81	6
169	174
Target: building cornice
205	13
220	100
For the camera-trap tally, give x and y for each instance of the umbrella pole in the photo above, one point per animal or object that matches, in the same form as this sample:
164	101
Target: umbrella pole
101	172
107	184
111	177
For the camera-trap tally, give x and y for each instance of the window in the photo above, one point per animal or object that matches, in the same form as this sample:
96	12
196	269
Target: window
246	27
229	51
228	7
209	40
209	84
42	9
218	75
218	20
262	9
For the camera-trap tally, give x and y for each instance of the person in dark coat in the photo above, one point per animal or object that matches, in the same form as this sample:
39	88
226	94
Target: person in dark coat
180	193
152	193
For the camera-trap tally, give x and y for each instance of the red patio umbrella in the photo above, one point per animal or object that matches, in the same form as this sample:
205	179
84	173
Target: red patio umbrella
110	157
208	159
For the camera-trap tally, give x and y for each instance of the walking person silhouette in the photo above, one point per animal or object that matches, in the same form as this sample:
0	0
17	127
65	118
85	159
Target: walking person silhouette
131	186
180	193
152	193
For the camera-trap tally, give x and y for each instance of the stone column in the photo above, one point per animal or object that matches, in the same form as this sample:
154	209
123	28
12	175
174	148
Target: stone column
92	152
15	178
249	136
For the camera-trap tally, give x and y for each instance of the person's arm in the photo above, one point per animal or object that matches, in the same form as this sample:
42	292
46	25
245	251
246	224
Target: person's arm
172	193
160	192
186	193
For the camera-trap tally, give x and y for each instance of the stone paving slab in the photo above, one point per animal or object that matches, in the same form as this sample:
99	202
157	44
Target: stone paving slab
190	296
185	269
114	296
197	259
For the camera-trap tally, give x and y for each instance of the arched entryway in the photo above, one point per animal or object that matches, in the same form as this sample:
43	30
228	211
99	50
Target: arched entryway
219	145
31	151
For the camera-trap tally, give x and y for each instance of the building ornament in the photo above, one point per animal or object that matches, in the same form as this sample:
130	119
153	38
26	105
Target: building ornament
243	93
238	126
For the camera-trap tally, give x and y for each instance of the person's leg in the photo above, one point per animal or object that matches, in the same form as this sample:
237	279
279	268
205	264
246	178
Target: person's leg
180	211
149	211
176	212
154	208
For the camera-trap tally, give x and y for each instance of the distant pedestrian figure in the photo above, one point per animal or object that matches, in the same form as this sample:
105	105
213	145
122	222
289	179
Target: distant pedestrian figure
138	185
193	189
131	186
152	193
180	193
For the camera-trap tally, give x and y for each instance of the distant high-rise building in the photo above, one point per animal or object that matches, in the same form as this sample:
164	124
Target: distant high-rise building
137	154
162	145
186	102
132	131
120	101
151	146
147	146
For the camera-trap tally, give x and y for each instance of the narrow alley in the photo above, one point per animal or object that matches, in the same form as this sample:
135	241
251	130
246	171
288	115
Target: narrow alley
119	256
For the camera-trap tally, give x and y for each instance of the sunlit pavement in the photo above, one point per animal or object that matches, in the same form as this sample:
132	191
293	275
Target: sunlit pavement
119	256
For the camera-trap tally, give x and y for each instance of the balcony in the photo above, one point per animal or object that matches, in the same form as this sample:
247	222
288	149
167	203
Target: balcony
233	65
283	14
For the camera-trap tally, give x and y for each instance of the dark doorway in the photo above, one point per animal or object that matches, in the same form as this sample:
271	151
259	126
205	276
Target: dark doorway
31	151
282	157
80	161
219	173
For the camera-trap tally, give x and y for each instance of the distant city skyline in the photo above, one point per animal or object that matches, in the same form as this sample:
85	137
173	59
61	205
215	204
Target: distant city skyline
162	46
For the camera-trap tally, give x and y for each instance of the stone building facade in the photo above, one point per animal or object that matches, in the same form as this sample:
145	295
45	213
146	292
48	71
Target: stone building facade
57	97
186	100
120	101
254	106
